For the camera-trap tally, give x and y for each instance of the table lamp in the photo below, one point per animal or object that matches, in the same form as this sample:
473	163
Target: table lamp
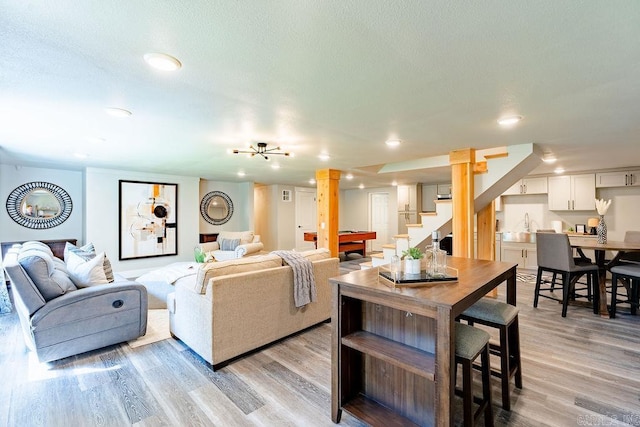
593	223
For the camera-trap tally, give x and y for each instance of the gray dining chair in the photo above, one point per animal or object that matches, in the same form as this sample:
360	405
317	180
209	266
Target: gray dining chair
580	259
556	256
627	271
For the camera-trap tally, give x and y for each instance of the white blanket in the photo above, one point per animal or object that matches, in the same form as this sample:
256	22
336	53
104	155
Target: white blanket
170	273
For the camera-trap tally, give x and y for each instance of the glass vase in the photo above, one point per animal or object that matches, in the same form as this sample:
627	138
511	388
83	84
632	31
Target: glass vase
601	230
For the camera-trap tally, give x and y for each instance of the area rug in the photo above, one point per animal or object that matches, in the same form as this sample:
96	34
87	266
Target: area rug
157	328
531	278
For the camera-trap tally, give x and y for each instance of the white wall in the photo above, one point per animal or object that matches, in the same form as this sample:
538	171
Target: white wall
12	176
354	208
102	213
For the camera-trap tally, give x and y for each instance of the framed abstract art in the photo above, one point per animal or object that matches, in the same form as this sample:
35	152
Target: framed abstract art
148	222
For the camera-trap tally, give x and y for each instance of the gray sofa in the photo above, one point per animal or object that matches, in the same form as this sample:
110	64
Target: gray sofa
58	319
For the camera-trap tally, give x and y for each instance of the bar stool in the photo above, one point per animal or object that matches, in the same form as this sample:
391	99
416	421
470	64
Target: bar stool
630	272
504	317
470	343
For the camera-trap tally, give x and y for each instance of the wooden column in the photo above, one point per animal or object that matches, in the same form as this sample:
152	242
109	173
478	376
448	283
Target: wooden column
462	192
328	186
486	229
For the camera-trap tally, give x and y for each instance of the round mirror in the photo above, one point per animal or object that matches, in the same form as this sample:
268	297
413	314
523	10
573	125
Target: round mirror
39	205
216	208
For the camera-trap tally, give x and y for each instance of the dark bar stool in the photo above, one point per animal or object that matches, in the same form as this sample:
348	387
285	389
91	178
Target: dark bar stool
470	343
630	272
504	317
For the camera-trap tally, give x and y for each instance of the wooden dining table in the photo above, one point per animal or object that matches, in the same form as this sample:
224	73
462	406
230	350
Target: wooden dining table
603	265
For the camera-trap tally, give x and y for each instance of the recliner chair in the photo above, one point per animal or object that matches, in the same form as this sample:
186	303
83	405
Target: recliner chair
58	320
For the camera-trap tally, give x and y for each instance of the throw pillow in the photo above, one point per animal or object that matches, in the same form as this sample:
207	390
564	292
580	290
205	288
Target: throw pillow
94	271
229	244
85	250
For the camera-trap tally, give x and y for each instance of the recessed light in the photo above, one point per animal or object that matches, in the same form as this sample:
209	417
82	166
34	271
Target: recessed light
394	183
558	170
393	142
117	112
361	186
162	61
549	158
275	166
509	120
312	181
241	173
324	157
80	155
349	176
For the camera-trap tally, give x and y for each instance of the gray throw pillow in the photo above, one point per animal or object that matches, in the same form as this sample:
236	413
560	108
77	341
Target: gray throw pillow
229	244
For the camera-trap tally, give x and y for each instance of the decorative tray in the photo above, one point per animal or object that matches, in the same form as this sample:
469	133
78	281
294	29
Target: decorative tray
421	279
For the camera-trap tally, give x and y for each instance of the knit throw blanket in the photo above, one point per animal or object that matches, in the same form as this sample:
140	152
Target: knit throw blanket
304	284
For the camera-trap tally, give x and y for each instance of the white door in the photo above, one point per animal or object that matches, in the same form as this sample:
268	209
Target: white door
378	220
306	216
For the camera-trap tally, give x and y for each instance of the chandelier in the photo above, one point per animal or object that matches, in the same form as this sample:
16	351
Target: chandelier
261	150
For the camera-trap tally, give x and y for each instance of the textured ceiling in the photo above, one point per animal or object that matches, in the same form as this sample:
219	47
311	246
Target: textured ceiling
313	76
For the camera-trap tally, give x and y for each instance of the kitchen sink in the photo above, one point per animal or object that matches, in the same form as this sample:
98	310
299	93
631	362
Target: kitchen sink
519	236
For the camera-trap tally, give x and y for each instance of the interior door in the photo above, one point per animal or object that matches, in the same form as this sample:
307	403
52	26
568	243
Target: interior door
306	216
378	220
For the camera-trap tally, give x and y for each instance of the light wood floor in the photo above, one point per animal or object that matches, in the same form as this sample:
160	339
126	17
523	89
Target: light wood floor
581	370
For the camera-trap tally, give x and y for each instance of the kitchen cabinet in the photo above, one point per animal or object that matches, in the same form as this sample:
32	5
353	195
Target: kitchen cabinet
409	198
618	179
524	254
572	192
536	185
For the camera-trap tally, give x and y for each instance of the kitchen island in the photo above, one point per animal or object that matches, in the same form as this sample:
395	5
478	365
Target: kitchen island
393	348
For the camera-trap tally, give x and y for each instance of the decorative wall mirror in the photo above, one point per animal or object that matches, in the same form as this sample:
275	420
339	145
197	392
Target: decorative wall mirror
39	205
216	208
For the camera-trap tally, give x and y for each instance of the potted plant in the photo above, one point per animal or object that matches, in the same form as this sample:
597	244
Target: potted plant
412	257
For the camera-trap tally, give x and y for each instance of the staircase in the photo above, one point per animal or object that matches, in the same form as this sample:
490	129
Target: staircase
504	167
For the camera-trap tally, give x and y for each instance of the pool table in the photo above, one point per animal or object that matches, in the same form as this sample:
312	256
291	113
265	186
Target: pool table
348	241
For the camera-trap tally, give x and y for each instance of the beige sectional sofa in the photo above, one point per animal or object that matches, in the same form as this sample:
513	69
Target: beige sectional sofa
233	307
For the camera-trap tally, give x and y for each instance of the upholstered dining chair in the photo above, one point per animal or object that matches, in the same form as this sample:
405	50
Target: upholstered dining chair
627	271
580	259
556	256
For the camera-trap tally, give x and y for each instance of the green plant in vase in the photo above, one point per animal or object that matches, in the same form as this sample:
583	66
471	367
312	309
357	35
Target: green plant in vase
412	257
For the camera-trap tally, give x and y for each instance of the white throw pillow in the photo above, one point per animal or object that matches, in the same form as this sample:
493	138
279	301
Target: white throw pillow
88	272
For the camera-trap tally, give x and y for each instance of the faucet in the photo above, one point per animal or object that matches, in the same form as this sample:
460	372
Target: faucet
526	221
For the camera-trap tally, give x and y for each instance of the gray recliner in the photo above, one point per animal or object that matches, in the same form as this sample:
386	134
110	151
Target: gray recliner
59	320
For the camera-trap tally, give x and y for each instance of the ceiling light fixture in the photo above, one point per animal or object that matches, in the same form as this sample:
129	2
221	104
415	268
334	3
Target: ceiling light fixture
361	186
549	158
275	166
558	170
393	142
509	120
324	157
349	176
162	61
261	150
241	173
117	112
312	181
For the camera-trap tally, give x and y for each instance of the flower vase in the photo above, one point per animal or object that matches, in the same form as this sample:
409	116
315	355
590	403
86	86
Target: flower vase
411	266
602	230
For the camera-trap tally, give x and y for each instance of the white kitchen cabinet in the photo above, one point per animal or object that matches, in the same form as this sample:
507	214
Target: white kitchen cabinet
524	254
572	192
409	198
618	179
536	185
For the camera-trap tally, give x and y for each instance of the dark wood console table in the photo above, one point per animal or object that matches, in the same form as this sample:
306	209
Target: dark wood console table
208	237
393	349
